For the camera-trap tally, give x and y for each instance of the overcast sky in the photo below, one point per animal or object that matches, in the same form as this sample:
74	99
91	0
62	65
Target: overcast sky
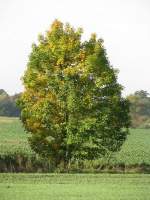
123	24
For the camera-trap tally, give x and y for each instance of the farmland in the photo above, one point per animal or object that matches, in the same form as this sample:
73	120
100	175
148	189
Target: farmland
13	139
74	186
13	143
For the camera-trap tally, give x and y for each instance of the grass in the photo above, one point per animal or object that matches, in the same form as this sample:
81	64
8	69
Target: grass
136	150
13	142
13	138
72	187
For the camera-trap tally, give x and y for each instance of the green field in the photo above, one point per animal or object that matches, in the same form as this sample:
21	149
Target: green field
13	138
136	149
74	187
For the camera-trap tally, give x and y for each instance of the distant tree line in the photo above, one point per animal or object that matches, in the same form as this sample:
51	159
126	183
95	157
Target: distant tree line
8	105
139	107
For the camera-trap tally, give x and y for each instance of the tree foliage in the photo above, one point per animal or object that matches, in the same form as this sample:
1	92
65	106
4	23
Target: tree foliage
140	109
8	105
72	103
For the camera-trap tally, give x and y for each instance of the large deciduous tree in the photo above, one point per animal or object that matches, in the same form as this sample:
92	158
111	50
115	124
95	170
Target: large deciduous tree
72	103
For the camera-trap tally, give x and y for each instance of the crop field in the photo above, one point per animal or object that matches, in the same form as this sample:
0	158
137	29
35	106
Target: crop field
136	149
29	186
74	186
13	138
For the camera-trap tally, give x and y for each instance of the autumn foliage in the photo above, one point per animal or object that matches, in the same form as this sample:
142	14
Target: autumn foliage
72	103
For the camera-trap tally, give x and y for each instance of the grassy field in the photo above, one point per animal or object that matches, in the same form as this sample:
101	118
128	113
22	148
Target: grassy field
73	187
136	149
16	154
13	138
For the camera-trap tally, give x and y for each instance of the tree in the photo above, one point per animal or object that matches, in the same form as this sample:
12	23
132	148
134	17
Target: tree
140	109
8	105
72	103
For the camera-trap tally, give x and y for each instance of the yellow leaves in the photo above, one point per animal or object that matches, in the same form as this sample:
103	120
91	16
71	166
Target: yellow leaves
93	36
69	71
62	83
60	61
51	97
74	70
82	55
34	125
42	80
87	100
28	95
56	24
104	79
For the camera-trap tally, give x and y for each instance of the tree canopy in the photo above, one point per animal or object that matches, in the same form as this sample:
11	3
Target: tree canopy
72	103
140	109
8	105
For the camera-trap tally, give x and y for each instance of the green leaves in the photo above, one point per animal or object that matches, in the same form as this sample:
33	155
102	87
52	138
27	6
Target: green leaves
72	103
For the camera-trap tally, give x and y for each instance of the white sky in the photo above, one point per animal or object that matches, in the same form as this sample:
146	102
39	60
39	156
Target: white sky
123	24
